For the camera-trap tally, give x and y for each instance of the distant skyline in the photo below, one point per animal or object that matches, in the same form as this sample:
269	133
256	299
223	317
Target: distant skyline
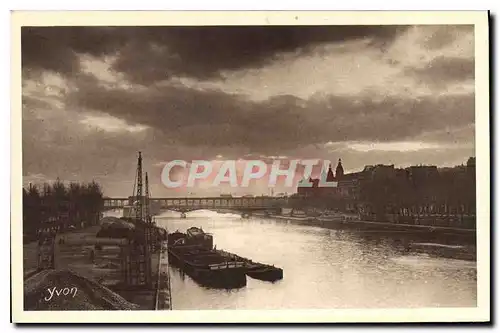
94	96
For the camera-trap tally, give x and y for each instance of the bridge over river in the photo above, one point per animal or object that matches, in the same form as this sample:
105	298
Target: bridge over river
241	204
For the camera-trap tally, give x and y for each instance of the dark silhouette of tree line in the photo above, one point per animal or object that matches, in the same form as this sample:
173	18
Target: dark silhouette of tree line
76	204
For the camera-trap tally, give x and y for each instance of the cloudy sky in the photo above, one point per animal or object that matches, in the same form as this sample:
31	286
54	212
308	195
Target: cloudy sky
94	96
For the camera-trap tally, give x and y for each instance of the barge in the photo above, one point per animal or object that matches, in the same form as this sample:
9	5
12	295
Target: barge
208	268
257	270
265	272
193	254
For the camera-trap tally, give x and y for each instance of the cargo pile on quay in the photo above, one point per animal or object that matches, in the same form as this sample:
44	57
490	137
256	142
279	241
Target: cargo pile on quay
66	290
193	253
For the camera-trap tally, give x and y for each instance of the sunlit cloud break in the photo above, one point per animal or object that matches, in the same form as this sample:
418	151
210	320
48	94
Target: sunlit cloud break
402	146
111	124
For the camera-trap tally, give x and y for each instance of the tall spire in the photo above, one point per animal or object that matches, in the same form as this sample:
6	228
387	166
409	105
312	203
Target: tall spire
139	198
330	176
339	171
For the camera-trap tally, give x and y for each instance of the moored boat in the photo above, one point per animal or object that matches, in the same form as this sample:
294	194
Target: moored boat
207	267
330	217
265	273
257	270
335	219
193	236
193	253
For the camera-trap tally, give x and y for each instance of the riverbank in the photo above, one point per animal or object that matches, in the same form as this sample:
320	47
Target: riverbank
447	242
354	223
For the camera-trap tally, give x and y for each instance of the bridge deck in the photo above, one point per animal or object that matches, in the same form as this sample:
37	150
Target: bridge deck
202	203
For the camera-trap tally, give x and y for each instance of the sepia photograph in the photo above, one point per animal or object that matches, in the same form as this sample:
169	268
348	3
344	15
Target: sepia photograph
302	162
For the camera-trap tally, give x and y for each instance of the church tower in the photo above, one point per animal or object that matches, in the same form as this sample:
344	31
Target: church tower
330	177
339	172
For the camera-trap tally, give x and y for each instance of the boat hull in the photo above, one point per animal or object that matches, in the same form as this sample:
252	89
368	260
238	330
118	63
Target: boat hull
257	270
270	274
225	278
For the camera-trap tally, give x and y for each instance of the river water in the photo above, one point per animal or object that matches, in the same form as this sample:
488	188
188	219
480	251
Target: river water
323	268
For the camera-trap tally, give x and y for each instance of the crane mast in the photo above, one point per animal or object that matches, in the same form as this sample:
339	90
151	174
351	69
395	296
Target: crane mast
139	198
137	255
147	202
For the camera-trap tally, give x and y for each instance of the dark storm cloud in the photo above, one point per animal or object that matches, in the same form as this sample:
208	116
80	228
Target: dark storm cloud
158	53
148	54
56	48
193	118
445	35
443	70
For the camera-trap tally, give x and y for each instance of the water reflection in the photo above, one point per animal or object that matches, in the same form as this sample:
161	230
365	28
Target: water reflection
323	268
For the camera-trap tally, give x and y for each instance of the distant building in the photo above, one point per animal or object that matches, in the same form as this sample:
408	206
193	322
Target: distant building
339	171
422	173
330	177
381	189
347	189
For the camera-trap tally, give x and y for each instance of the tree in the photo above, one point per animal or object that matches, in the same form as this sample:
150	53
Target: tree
31	210
92	202
68	204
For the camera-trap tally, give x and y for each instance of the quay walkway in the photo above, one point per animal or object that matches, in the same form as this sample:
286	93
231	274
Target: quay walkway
163	292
